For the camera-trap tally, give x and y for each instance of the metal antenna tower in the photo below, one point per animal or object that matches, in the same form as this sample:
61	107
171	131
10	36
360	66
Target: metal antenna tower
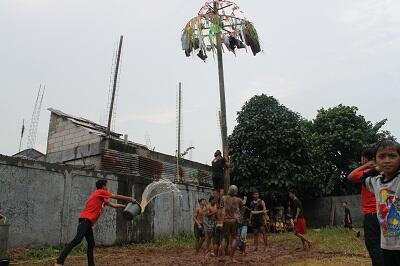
148	141
110	84
115	81
114	115
35	118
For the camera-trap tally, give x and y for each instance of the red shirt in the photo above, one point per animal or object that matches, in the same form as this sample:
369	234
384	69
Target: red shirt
368	201
95	204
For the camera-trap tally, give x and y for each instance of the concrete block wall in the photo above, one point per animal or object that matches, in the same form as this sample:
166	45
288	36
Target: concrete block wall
329	211
43	201
176	210
65	135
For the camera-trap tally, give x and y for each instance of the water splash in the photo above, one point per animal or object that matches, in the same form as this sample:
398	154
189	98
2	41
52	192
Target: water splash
158	188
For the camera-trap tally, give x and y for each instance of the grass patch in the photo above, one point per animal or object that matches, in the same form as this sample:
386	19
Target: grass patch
329	239
25	254
332	261
180	241
338	240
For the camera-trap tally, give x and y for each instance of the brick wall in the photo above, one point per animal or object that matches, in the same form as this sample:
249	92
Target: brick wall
65	135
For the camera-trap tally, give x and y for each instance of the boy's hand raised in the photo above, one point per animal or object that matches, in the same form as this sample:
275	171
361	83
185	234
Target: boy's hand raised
133	200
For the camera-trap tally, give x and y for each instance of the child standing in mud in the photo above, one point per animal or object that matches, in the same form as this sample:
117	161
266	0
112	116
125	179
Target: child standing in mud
243	226
232	208
198	217
219	226
210	222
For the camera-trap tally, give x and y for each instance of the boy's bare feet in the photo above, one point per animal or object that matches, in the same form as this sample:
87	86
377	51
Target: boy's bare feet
56	264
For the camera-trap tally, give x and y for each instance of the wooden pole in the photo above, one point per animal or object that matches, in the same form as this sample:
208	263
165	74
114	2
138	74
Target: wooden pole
114	87
224	130
178	155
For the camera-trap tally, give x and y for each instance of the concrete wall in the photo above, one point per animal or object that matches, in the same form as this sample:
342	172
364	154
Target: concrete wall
177	217
329	211
65	135
43	201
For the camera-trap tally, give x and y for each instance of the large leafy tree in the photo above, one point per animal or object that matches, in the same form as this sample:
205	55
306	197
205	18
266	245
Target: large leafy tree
269	150
273	148
338	136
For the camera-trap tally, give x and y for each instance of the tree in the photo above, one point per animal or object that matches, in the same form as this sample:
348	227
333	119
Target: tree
269	150
338	135
273	148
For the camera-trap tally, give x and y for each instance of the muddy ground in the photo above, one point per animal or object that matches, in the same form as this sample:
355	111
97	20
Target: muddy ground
276	254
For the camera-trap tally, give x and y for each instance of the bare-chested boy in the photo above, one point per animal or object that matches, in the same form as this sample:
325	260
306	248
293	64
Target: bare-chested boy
232	209
258	212
198	217
210	222
219	226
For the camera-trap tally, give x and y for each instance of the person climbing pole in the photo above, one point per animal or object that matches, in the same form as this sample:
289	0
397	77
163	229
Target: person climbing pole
219	166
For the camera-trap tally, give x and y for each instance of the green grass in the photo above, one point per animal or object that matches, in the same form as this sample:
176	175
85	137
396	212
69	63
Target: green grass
180	241
330	240
335	261
25	254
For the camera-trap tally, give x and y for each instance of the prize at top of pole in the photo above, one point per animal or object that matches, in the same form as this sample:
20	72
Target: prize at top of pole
219	18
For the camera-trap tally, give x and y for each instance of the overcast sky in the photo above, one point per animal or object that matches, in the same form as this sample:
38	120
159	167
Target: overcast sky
317	53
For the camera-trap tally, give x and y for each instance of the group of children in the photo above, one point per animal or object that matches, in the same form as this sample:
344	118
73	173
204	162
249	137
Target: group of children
226	219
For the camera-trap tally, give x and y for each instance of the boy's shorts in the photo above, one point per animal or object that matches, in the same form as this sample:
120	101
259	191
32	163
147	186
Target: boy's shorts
218	235
198	232
230	229
258	226
300	226
210	229
218	182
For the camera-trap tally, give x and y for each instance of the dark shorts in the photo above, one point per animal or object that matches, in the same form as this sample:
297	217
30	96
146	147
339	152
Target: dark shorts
258	225
230	229
391	257
218	235
300	226
218	182
198	232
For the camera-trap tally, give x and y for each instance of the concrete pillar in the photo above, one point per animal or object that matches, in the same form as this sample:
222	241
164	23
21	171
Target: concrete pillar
65	207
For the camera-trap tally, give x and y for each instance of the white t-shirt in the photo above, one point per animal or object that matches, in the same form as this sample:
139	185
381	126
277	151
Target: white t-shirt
387	194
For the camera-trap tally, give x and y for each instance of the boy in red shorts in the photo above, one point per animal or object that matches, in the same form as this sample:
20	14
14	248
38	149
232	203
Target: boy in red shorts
300	228
89	216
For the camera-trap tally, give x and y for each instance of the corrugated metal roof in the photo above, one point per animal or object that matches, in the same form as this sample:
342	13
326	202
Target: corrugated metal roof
92	126
119	162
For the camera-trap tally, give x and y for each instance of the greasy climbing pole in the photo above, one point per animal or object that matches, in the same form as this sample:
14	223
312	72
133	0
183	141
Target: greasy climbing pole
219	23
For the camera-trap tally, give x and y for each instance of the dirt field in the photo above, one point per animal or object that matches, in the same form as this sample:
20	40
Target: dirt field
278	253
